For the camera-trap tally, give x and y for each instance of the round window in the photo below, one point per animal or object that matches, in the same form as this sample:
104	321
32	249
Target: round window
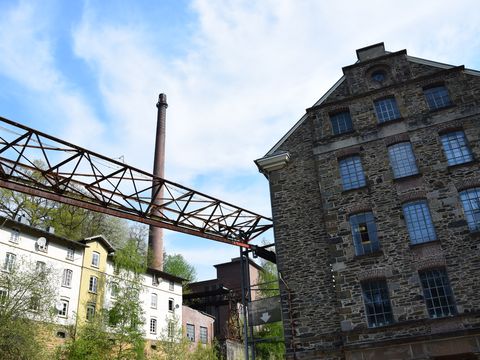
378	76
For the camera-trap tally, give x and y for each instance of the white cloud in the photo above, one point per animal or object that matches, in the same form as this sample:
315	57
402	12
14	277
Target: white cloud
28	59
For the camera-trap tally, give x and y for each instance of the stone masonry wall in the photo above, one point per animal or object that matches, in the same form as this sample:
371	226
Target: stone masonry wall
311	212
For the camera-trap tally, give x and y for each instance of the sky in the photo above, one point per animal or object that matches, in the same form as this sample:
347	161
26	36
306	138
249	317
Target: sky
238	75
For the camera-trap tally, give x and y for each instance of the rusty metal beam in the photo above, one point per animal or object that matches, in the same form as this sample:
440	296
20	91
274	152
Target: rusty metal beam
79	177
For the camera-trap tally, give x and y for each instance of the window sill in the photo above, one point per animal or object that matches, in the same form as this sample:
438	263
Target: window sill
425	243
376	253
466	164
67	286
408	177
432	111
365	187
388	122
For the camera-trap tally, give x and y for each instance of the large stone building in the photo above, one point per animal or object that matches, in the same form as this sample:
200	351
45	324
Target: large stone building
375	195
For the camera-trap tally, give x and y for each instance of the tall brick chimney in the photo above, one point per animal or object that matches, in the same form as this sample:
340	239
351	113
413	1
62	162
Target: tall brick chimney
155	239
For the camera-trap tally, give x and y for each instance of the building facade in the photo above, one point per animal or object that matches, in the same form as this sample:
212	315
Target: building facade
376	204
85	277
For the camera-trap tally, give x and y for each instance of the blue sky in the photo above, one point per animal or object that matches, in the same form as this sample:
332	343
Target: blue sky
238	75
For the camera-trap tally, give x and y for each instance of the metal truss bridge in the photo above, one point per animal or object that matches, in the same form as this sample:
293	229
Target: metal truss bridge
38	164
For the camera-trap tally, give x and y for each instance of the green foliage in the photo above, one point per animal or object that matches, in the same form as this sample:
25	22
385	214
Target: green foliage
274	350
91	342
28	293
177	265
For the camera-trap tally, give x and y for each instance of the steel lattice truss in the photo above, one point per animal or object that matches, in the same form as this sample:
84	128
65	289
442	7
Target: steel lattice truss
42	165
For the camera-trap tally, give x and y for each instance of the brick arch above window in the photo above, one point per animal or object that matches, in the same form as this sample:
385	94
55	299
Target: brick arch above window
392	140
342	153
434	262
412	196
372	274
467	184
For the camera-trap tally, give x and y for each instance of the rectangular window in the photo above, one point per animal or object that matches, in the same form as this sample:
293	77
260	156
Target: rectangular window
171	285
171	329
114	289
154	301
456	148
402	160
67	277
34	303
90	312
9	262
437	292
155	280
70	254
364	233
63	308
437	97
386	109
419	222
95	259
170	304
377	303
351	172
40	267
3	296
15	236
203	335
92	285
341	122
153	326
191	332
471	206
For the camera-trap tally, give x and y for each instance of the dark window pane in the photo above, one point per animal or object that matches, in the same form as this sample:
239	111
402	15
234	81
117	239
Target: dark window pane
341	122
456	148
438	293
377	303
437	97
364	233
471	206
386	110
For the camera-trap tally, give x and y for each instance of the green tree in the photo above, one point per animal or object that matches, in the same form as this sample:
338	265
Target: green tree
89	342
27	298
177	265
274	350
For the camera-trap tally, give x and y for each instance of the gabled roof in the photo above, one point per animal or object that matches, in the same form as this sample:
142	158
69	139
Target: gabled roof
341	80
102	240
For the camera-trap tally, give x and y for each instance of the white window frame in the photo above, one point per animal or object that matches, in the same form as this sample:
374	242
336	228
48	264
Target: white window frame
9	263
201	336
171	285
153	325
95	259
64	312
154	301
91	309
15	236
67	278
93	284
70	254
190	334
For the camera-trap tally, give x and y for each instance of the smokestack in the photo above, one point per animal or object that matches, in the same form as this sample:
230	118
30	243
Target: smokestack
155	239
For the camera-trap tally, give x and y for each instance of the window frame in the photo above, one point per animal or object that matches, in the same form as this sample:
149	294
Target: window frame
448	139
9	262
204	335
341	128
436	101
70	254
93	284
90	312
171	304
415	232
357	223
190	334
64	309
15	236
402	159
153	304
386	109
95	259
385	304
351	172
67	277
471	207
171	285
153	325
446	292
